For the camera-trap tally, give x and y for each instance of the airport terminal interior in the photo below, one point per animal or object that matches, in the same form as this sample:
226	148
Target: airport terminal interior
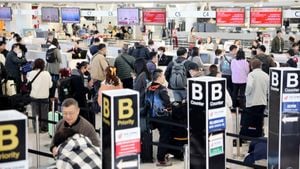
137	84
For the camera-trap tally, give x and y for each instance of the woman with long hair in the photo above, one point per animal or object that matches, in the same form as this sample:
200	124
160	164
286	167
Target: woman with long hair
195	57
111	82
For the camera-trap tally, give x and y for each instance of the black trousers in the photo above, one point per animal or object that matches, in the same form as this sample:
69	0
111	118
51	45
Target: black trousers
127	83
228	83
164	137
238	92
252	121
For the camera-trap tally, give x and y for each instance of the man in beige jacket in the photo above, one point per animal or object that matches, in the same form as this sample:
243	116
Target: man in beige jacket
98	66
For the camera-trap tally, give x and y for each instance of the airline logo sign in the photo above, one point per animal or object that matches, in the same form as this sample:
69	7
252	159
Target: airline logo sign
128	142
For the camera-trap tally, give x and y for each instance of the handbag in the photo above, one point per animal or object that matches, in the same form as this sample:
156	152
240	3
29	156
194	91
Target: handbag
25	87
9	88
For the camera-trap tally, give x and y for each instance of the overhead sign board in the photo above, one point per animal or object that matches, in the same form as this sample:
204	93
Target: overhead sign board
191	14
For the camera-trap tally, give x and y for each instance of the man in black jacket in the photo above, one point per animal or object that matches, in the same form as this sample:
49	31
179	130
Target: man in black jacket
159	100
140	51
14	60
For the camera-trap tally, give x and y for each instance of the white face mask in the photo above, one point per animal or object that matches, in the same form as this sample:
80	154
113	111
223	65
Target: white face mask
19	54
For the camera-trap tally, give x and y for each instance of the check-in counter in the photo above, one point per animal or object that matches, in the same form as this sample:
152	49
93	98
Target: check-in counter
31	55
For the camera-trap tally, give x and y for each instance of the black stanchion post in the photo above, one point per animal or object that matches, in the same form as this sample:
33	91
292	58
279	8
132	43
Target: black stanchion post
206	118
120	129
284	115
13	139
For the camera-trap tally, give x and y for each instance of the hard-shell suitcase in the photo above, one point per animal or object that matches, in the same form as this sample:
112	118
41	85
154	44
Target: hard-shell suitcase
53	116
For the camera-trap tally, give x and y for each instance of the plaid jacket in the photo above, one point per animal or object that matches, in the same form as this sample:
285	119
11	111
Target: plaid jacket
78	152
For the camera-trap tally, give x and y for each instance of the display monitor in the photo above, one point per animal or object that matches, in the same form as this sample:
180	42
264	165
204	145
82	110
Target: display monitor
70	15
154	16
266	17
230	17
128	16
205	57
50	14
5	14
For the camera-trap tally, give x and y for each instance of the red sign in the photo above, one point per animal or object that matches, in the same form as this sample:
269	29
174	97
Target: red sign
266	17
154	16
230	16
126	148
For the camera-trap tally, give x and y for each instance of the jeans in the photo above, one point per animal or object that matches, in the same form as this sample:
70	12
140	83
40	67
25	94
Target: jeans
40	107
179	95
238	91
164	137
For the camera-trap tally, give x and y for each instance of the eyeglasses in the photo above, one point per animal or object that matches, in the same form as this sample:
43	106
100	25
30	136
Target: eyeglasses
68	113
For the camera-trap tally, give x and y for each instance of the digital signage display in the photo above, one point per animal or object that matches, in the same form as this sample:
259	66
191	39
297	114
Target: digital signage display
265	17
230	17
154	16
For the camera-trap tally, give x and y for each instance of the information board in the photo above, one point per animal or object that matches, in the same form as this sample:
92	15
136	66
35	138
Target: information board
265	17
230	17
154	16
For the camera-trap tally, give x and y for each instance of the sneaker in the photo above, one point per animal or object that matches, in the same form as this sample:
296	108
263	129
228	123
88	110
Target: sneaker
163	163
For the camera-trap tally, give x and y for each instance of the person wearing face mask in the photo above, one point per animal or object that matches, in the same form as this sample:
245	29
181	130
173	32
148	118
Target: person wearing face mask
13	62
81	89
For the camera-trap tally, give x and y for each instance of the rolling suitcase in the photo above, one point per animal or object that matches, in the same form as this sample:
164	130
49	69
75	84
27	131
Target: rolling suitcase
146	146
179	134
53	116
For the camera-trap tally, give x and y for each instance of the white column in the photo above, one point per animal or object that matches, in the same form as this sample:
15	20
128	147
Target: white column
190	21
20	21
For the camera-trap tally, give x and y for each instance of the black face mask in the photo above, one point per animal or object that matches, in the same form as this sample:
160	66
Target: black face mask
87	73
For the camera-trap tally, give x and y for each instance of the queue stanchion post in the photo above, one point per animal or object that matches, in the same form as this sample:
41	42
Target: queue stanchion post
238	148
13	139
37	137
207	122
53	117
121	143
284	118
186	157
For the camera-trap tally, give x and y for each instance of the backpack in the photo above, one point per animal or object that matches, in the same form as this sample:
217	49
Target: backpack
225	65
154	104
65	89
178	77
50	55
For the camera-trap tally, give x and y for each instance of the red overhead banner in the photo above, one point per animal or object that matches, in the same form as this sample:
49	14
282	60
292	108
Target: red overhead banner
230	16
154	16
266	17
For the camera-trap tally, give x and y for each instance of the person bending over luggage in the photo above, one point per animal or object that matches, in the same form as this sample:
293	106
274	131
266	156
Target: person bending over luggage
75	150
41	83
75	50
158	106
81	88
71	119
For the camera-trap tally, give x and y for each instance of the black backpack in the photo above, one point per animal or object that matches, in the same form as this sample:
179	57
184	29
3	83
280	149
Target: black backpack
50	55
65	89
